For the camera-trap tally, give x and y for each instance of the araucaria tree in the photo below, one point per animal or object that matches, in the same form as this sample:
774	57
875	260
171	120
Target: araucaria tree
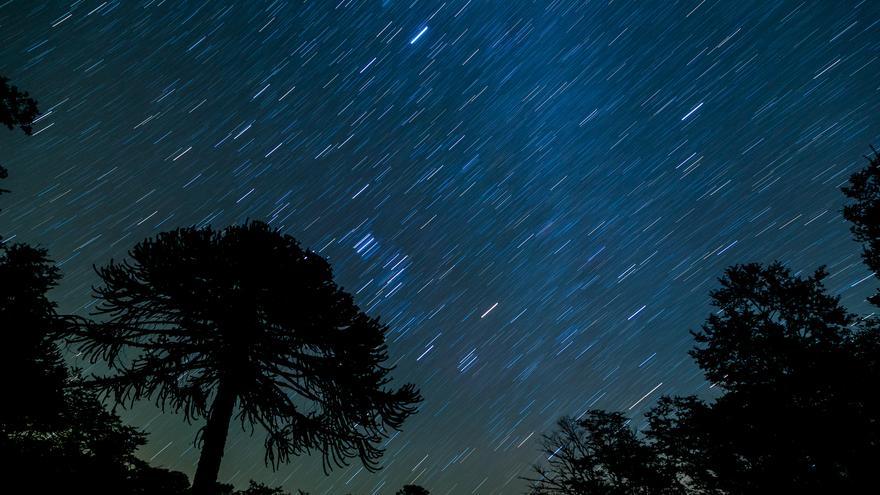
244	324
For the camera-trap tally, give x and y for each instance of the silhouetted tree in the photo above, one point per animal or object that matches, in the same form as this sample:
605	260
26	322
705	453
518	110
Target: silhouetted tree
864	214
600	454
32	371
676	430
17	109
770	326
413	490
794	414
206	322
54	436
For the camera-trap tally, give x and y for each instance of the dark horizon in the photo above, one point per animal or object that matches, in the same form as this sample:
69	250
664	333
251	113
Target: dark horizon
536	198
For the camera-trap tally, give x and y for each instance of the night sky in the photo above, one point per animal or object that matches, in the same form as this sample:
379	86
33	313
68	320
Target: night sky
536	196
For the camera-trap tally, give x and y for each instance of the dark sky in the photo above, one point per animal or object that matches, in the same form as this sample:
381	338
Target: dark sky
536	196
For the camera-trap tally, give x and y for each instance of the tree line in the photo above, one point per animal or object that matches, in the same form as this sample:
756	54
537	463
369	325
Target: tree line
798	411
243	326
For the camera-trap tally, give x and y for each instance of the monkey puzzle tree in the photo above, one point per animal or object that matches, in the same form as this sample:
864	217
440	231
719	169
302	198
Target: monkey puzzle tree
243	323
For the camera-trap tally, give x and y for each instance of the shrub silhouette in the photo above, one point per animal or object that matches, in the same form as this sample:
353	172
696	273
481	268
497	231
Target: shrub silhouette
245	320
254	488
413	490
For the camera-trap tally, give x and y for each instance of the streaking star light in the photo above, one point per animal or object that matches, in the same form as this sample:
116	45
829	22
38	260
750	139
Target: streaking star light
416	38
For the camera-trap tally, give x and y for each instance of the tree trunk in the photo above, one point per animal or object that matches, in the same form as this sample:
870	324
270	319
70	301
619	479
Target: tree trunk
214	441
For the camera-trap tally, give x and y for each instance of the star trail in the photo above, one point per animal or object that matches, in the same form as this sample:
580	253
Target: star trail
535	196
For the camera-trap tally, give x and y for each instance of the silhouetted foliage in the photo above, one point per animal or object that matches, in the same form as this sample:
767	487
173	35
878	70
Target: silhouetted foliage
675	429
17	109
864	214
54	436
254	488
794	415
770	328
206	322
150	480
32	370
413	490
600	454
